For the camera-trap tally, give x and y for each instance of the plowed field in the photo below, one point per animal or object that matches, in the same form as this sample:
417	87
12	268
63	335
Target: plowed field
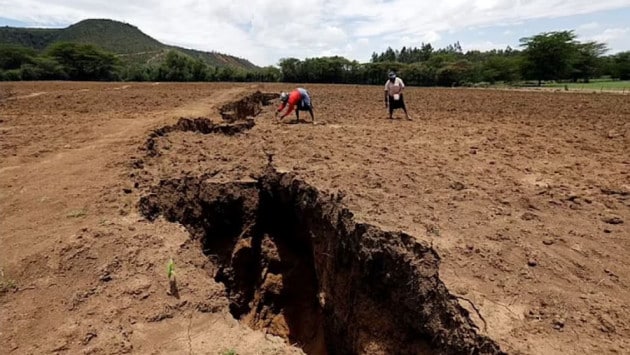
494	221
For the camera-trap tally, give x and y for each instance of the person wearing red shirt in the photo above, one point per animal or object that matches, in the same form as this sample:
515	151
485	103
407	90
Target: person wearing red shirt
298	100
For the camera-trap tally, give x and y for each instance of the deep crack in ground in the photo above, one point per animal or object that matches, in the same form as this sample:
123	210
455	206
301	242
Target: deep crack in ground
295	263
249	106
238	116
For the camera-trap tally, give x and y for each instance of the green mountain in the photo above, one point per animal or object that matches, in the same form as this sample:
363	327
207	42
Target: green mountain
125	40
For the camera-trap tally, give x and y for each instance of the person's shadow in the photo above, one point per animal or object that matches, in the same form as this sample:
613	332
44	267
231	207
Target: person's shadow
300	121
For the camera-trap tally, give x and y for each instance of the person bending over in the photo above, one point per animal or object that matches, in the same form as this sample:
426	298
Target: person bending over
298	100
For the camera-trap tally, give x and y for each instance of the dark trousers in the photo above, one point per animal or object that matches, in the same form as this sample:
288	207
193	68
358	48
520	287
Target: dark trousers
394	104
302	106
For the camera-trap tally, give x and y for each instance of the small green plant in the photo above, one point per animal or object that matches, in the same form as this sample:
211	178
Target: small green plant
170	269
433	230
228	352
76	214
6	284
103	222
172	281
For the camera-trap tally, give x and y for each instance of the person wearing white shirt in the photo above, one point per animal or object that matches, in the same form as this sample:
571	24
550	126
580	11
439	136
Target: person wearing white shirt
394	95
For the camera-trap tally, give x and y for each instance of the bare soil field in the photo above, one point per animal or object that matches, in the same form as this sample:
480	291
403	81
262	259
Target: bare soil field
494	222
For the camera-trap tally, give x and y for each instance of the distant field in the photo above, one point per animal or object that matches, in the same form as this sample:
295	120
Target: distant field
594	85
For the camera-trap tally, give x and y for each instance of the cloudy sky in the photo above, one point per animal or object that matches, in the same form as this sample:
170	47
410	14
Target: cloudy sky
264	31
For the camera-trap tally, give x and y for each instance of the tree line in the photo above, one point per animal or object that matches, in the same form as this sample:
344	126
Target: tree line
543	57
74	61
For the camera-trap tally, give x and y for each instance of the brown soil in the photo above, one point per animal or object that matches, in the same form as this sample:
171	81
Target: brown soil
513	210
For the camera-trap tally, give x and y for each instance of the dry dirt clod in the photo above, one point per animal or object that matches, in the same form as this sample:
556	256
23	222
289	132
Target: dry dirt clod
606	324
612	220
532	262
88	337
609	272
457	186
558	323
613	133
528	216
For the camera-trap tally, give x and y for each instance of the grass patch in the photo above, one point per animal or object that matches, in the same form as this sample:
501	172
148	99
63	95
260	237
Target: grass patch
593	85
228	352
6	284
433	230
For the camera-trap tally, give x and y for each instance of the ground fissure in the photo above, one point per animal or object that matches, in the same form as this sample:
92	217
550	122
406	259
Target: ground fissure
249	106
296	264
238	116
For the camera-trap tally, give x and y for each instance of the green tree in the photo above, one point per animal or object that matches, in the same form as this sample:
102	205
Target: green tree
50	69
419	74
426	50
454	48
374	57
325	70
199	70
501	68
176	67
290	69
550	55
404	55
12	75
84	61
137	72
621	66
588	60
389	55
225	74
376	73
43	68
455	73
441	59
13	57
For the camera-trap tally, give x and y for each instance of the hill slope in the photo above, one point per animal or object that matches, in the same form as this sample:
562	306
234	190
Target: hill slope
126	40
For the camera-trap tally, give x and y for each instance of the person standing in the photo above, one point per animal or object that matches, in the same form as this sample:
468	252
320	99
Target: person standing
394	95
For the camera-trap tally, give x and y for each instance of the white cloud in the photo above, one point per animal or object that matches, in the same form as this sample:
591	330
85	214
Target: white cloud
483	46
617	39
611	34
264	30
588	26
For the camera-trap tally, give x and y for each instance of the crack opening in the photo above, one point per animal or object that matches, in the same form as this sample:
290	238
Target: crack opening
295	264
239	116
249	106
